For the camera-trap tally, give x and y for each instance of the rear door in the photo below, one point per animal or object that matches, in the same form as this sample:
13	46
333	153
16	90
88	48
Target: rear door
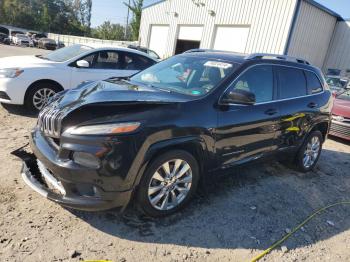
299	93
247	132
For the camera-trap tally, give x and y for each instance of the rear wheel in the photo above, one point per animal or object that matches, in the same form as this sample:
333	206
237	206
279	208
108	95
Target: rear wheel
39	94
168	183
310	152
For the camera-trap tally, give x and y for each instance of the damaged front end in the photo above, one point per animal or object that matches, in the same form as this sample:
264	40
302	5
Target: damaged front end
44	182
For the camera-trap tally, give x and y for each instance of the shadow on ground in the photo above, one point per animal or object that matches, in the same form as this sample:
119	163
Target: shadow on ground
19	110
251	208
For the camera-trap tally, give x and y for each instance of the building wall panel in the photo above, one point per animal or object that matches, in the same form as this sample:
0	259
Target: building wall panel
269	21
312	34
339	53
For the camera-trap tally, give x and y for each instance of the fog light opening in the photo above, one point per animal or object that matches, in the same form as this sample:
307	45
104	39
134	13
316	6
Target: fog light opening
86	159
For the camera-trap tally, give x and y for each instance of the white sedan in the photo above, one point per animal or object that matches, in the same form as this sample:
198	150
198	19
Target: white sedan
22	39
32	80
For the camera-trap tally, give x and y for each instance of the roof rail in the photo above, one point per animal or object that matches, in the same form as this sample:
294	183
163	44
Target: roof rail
198	50
275	56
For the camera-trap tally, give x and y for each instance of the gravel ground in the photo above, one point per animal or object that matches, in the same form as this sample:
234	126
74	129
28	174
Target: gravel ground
236	218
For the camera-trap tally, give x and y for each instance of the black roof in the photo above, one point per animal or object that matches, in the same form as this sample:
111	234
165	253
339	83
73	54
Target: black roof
244	58
220	55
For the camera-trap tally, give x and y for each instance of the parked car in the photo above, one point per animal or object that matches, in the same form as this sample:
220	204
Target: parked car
32	80
37	37
340	126
4	39
337	84
22	40
155	135
13	34
145	50
60	44
47	43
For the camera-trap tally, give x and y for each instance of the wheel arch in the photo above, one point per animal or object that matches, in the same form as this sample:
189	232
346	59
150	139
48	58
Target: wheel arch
43	81
323	127
193	145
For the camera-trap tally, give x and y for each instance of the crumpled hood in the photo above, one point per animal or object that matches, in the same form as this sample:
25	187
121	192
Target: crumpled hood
341	107
23	62
115	92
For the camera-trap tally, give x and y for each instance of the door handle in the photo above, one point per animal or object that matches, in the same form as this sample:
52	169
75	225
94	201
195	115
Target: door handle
271	111
312	105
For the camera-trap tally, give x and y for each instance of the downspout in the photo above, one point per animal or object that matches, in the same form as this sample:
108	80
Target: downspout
291	29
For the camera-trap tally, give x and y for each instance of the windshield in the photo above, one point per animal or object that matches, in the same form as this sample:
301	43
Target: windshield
190	75
67	53
21	36
336	82
345	95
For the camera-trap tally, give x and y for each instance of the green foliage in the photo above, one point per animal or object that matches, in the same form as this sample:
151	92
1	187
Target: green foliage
109	31
57	16
136	9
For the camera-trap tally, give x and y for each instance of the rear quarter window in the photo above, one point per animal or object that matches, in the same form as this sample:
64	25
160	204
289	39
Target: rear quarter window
292	82
314	85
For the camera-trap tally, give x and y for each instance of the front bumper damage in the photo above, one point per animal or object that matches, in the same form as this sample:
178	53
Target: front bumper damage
41	180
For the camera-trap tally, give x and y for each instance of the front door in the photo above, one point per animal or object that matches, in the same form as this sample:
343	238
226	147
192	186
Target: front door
103	65
247	132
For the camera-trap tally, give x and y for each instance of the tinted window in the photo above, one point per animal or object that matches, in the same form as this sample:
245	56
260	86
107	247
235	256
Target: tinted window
137	62
107	60
313	83
292	82
258	80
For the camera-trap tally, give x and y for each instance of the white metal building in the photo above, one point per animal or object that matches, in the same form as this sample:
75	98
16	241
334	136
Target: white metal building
300	28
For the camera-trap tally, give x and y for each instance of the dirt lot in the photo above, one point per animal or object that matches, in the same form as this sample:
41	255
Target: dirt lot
238	216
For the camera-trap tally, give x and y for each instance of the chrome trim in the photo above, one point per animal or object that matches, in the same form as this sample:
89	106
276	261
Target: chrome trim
49	121
273	101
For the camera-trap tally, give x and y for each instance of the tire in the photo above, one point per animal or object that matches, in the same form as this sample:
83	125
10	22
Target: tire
169	191
314	152
40	88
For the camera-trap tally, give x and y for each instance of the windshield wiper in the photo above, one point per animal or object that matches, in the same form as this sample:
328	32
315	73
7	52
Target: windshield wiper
41	57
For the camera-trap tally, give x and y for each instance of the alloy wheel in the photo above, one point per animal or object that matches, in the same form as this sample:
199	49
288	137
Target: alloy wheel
41	97
170	184
312	151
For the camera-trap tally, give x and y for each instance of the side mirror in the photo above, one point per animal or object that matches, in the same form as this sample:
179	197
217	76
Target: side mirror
83	64
239	96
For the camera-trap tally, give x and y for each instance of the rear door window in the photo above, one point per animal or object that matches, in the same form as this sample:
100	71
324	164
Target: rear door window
137	62
292	82
314	85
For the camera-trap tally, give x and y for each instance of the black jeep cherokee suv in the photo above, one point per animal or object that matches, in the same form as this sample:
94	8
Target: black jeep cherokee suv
154	136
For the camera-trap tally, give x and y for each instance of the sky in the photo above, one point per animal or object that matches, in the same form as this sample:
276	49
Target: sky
116	12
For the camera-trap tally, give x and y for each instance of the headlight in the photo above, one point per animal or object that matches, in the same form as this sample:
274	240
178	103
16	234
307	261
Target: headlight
10	72
105	129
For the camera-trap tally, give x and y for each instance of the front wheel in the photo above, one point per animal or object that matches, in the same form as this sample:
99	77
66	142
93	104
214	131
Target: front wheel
168	183
310	152
38	96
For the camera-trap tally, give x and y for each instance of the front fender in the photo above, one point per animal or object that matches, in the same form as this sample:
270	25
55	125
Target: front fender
194	144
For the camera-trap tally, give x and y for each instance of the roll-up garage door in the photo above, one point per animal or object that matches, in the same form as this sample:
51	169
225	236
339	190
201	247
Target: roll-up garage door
158	39
231	38
189	37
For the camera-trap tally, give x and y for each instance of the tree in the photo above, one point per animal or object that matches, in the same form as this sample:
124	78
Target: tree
58	16
82	9
136	9
108	31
